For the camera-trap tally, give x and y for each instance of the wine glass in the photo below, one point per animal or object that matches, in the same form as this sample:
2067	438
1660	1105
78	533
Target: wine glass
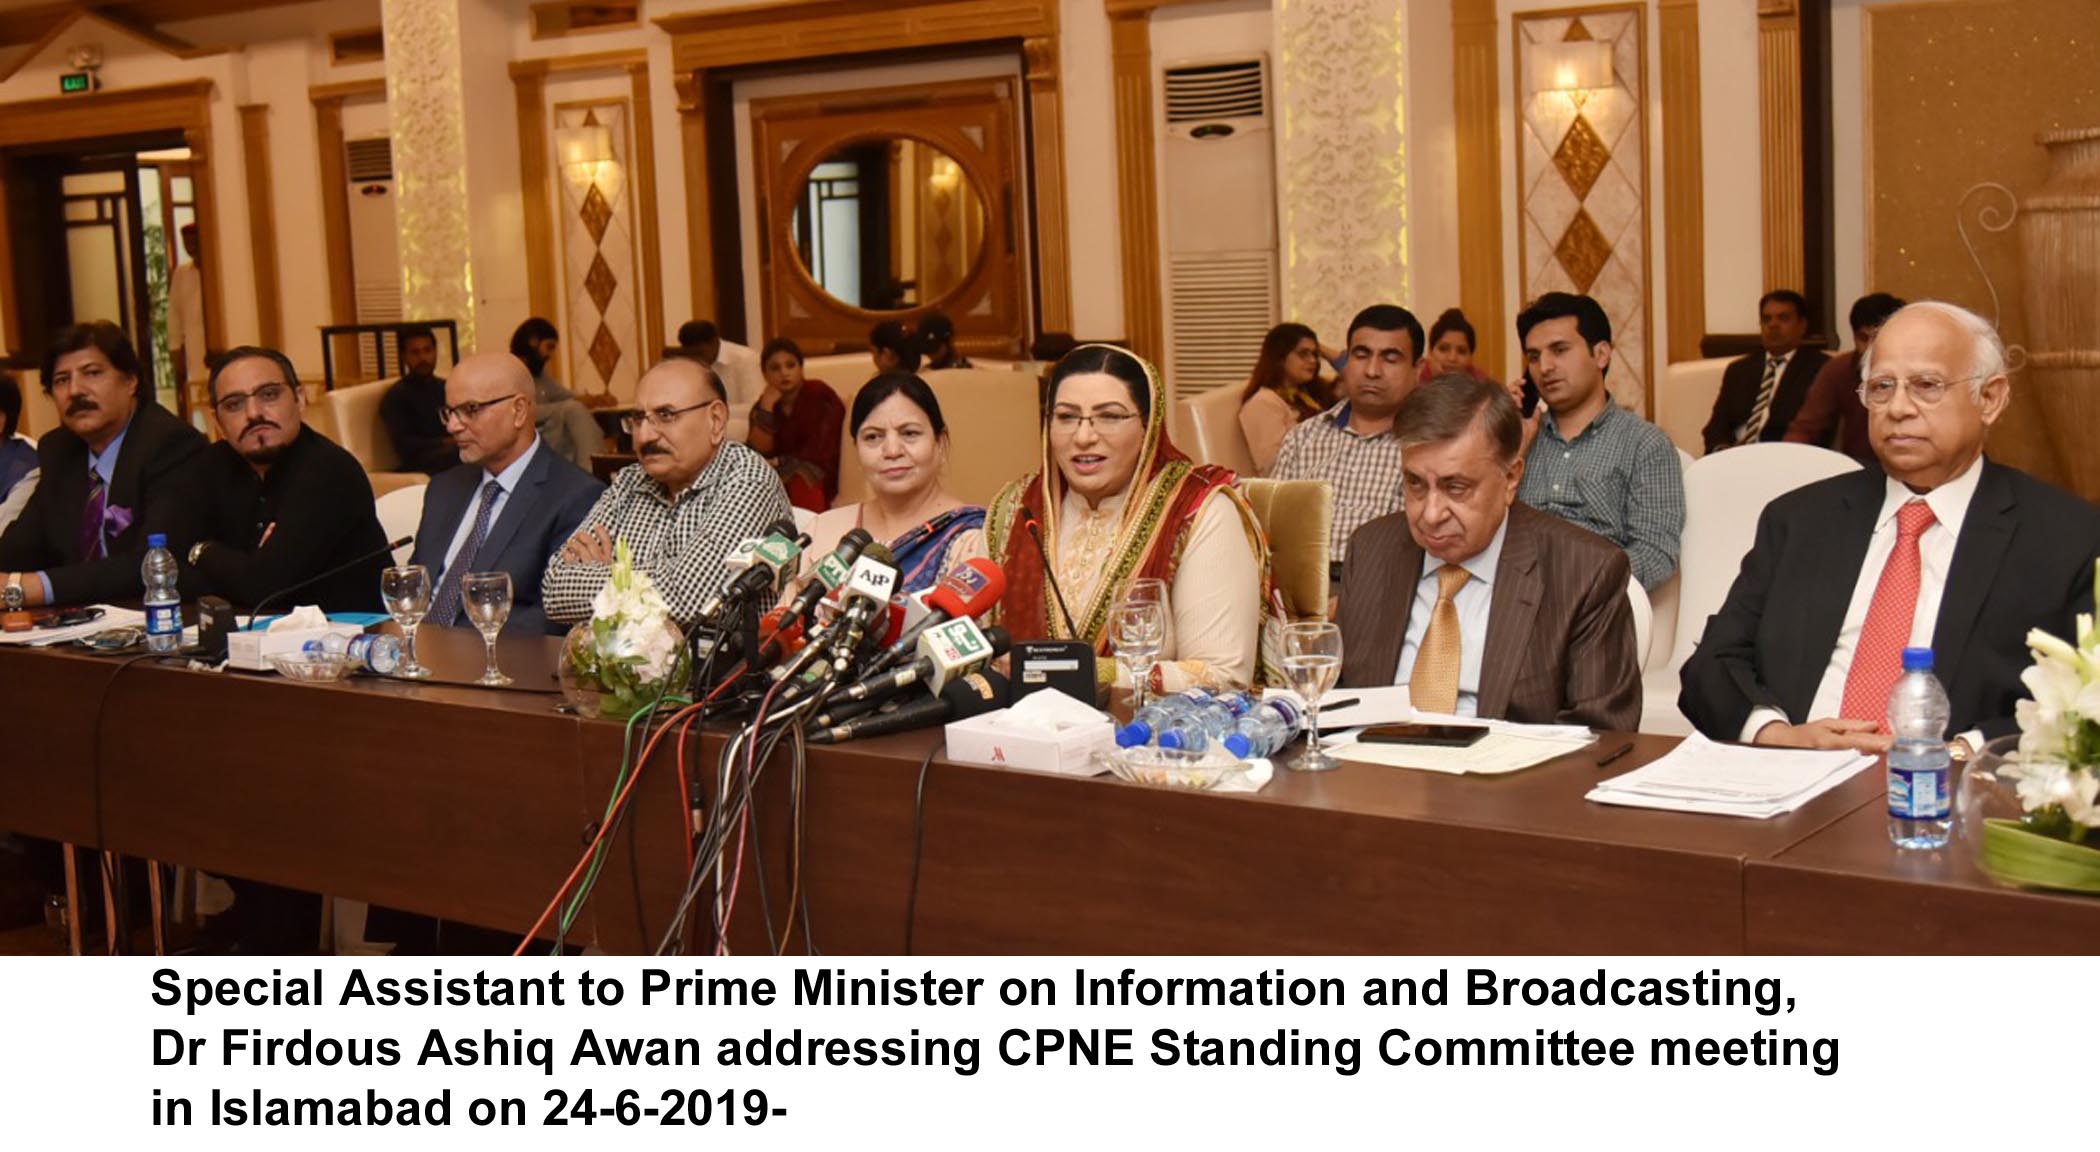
1138	630
1312	662
406	591
487	599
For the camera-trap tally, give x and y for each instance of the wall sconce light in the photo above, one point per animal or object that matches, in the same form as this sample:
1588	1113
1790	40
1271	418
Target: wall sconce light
946	175
584	144
1570	66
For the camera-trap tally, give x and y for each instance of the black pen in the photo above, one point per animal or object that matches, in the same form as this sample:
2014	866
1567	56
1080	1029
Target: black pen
1614	754
1344	702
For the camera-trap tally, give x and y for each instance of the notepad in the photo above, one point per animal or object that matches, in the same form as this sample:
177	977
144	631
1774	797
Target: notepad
1732	779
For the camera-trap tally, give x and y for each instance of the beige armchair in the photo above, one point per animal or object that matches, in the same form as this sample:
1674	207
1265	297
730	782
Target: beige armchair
355	410
1210	430
1298	518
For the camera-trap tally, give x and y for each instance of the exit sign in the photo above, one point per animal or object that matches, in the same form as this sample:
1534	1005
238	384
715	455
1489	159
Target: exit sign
75	82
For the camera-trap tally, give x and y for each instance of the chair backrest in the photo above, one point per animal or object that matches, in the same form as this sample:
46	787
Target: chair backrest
1643	620
1686	402
994	434
1211	424
39	414
1297	516
1724	494
400	510
358	427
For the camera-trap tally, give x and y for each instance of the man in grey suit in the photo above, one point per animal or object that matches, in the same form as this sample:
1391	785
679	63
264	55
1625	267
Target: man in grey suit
1481	605
510	503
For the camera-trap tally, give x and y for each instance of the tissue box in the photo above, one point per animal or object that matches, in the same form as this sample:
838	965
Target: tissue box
1070	752
251	651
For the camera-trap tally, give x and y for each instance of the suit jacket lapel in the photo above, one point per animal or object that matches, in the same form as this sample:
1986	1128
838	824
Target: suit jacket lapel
1402	567
1513	604
1843	539
515	508
1986	535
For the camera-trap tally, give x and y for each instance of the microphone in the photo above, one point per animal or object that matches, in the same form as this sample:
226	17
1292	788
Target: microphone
954	649
831	572
973	695
968	591
387	549
759	566
1035	530
783	638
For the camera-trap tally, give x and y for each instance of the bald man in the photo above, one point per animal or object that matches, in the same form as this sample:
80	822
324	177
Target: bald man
511	502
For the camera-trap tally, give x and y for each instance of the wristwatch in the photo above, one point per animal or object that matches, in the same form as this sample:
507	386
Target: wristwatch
13	599
197	551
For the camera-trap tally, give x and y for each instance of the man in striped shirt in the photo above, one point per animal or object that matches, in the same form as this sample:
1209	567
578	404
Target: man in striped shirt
1351	445
689	498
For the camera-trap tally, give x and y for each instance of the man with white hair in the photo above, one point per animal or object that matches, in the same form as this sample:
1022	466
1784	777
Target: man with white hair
1940	548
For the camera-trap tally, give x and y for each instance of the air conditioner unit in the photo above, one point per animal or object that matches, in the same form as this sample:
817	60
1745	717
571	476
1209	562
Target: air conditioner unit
375	245
1219	190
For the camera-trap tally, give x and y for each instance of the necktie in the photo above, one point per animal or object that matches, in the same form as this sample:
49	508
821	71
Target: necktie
446	609
1433	686
1878	659
1755	426
92	544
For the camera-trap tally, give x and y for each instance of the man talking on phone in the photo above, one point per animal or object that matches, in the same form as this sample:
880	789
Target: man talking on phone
1483	606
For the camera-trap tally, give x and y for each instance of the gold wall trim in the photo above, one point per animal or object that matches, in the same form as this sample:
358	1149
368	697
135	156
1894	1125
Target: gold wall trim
765	33
347	90
581	62
1684	180
335	211
1779	133
262	223
645	190
1046	133
1137	192
699	211
529	87
1476	116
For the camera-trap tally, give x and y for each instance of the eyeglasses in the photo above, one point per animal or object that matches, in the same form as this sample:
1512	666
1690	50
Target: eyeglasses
1104	423
471	409
1926	390
660	418
233	404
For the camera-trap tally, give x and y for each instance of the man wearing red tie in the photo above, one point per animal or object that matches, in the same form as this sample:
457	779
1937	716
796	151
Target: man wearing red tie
1941	548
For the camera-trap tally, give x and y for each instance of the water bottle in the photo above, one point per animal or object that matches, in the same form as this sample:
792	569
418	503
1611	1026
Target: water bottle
1920	809
163	603
1153	717
1199	729
1267	729
377	652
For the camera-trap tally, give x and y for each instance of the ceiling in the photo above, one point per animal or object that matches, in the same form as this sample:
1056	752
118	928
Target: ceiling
22	21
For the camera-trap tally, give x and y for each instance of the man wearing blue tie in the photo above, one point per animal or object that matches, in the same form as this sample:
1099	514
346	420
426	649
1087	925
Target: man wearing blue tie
510	503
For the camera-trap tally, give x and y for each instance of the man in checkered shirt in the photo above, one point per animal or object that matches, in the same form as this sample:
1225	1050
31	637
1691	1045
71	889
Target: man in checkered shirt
688	500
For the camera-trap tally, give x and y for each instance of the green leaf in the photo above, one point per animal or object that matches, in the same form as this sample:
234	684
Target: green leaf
2017	854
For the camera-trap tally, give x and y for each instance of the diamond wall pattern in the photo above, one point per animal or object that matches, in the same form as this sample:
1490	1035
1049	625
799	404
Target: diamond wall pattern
1581	168
601	325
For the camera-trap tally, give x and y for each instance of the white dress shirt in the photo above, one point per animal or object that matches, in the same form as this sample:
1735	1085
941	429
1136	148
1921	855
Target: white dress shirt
1472	602
1950	506
506	483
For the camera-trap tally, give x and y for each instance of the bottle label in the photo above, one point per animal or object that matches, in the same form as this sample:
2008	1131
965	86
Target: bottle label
163	619
1918	794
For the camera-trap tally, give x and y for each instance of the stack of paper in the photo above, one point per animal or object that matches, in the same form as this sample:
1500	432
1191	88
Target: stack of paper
1731	780
112	617
1507	747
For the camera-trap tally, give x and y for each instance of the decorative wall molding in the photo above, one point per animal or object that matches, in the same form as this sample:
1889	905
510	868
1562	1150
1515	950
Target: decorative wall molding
1476	101
1053	253
1137	183
1582	166
1343	196
426	95
328	100
645	194
529	88
699	209
262	223
1684	180
1779	134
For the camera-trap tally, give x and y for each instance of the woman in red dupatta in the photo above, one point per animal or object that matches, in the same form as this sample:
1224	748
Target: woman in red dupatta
1116	501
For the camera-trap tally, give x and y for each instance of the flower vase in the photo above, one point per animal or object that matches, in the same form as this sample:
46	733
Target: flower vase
2011	845
598	680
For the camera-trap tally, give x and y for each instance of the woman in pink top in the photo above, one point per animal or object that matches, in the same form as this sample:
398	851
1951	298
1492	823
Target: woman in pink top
1284	389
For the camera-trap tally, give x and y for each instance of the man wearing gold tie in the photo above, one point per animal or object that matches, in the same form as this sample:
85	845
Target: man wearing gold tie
1480	605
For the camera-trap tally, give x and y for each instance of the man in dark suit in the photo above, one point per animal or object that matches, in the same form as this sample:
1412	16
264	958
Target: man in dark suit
534	499
119	469
410	407
1480	605
1941	548
1761	393
283	504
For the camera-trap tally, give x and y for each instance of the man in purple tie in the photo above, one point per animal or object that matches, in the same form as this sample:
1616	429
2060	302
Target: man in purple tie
119	468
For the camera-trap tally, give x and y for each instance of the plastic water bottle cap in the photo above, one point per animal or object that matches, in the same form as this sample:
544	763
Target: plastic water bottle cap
157	540
1172	741
1917	659
1239	745
1134	735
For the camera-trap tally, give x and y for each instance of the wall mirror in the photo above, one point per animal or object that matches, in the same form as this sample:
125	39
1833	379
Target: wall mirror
888	224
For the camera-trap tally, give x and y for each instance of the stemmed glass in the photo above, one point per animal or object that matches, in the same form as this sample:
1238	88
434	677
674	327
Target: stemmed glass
1312	662
406	591
1138	630
487	598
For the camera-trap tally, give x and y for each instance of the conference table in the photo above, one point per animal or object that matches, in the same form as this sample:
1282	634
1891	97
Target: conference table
474	804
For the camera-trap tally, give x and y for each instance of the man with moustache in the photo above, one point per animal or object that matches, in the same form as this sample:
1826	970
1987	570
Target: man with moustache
688	499
512	502
410	408
282	503
118	469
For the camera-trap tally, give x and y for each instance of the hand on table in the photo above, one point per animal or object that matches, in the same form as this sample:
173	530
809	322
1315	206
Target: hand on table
1830	732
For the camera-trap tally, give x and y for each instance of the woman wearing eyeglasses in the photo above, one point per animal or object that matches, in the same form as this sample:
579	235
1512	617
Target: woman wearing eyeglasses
1114	502
1284	389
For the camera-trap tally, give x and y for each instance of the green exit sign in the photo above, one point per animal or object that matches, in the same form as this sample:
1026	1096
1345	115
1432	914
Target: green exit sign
73	82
